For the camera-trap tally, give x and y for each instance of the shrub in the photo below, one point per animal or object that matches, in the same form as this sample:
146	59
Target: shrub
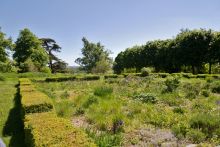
171	84
45	129
192	90
163	75
205	93
111	76
24	81
91	100
90	77
2	78
207	123
103	91
216	87
145	72
60	79
146	98
105	139
79	111
178	110
196	136
179	130
35	102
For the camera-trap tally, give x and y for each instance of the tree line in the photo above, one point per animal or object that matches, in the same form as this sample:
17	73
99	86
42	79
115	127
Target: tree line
196	51
30	54
190	51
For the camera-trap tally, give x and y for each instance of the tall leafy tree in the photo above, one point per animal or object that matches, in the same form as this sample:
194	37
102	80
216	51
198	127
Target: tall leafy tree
92	54
193	47
51	46
29	53
5	44
213	55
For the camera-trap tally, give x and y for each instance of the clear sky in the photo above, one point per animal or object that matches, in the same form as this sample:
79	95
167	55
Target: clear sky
117	24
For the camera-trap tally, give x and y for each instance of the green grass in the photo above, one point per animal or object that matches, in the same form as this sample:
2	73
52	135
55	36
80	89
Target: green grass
11	126
133	103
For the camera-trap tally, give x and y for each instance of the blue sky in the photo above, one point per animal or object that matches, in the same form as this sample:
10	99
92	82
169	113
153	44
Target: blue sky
117	24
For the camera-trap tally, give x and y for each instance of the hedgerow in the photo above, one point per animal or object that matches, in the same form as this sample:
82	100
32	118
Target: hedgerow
35	102
45	129
41	125
72	78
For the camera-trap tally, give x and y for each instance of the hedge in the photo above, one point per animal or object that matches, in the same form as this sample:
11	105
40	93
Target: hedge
111	76
61	79
35	102
45	129
24	81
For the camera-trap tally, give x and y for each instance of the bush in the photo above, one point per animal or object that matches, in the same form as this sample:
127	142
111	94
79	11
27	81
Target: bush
111	76
207	123
216	87
90	77
205	93
146	98
163	75
91	100
24	81
60	79
2	78
35	102
171	84
103	91
105	139
178	110
45	129
145	72
196	136
192	90
180	131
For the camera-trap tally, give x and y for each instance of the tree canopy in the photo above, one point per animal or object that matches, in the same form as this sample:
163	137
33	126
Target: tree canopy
93	53
189	49
29	53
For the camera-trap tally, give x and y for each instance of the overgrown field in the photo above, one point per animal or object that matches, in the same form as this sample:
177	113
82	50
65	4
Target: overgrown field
133	110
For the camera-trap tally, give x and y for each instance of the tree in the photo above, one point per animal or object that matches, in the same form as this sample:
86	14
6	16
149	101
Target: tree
92	54
213	55
193	47
29	52
60	66
5	44
51	46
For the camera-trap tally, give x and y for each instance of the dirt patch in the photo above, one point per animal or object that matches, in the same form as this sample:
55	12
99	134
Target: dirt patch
151	137
80	122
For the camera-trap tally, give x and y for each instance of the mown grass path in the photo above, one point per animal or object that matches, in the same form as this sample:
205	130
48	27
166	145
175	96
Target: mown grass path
11	126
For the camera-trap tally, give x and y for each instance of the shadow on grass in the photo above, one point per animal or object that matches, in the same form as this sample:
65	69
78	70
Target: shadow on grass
14	125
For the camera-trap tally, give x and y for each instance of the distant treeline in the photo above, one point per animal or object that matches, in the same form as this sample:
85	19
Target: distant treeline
190	51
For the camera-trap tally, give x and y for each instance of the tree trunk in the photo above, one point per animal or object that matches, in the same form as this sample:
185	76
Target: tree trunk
210	68
193	69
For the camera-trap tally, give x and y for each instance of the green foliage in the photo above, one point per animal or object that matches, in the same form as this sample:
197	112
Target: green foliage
91	100
33	101
206	123
146	98
180	130
206	93
178	110
145	72
105	139
192	90
216	87
45	129
171	84
95	57
196	136
189	51
29	54
110	76
5	44
103	91
2	78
